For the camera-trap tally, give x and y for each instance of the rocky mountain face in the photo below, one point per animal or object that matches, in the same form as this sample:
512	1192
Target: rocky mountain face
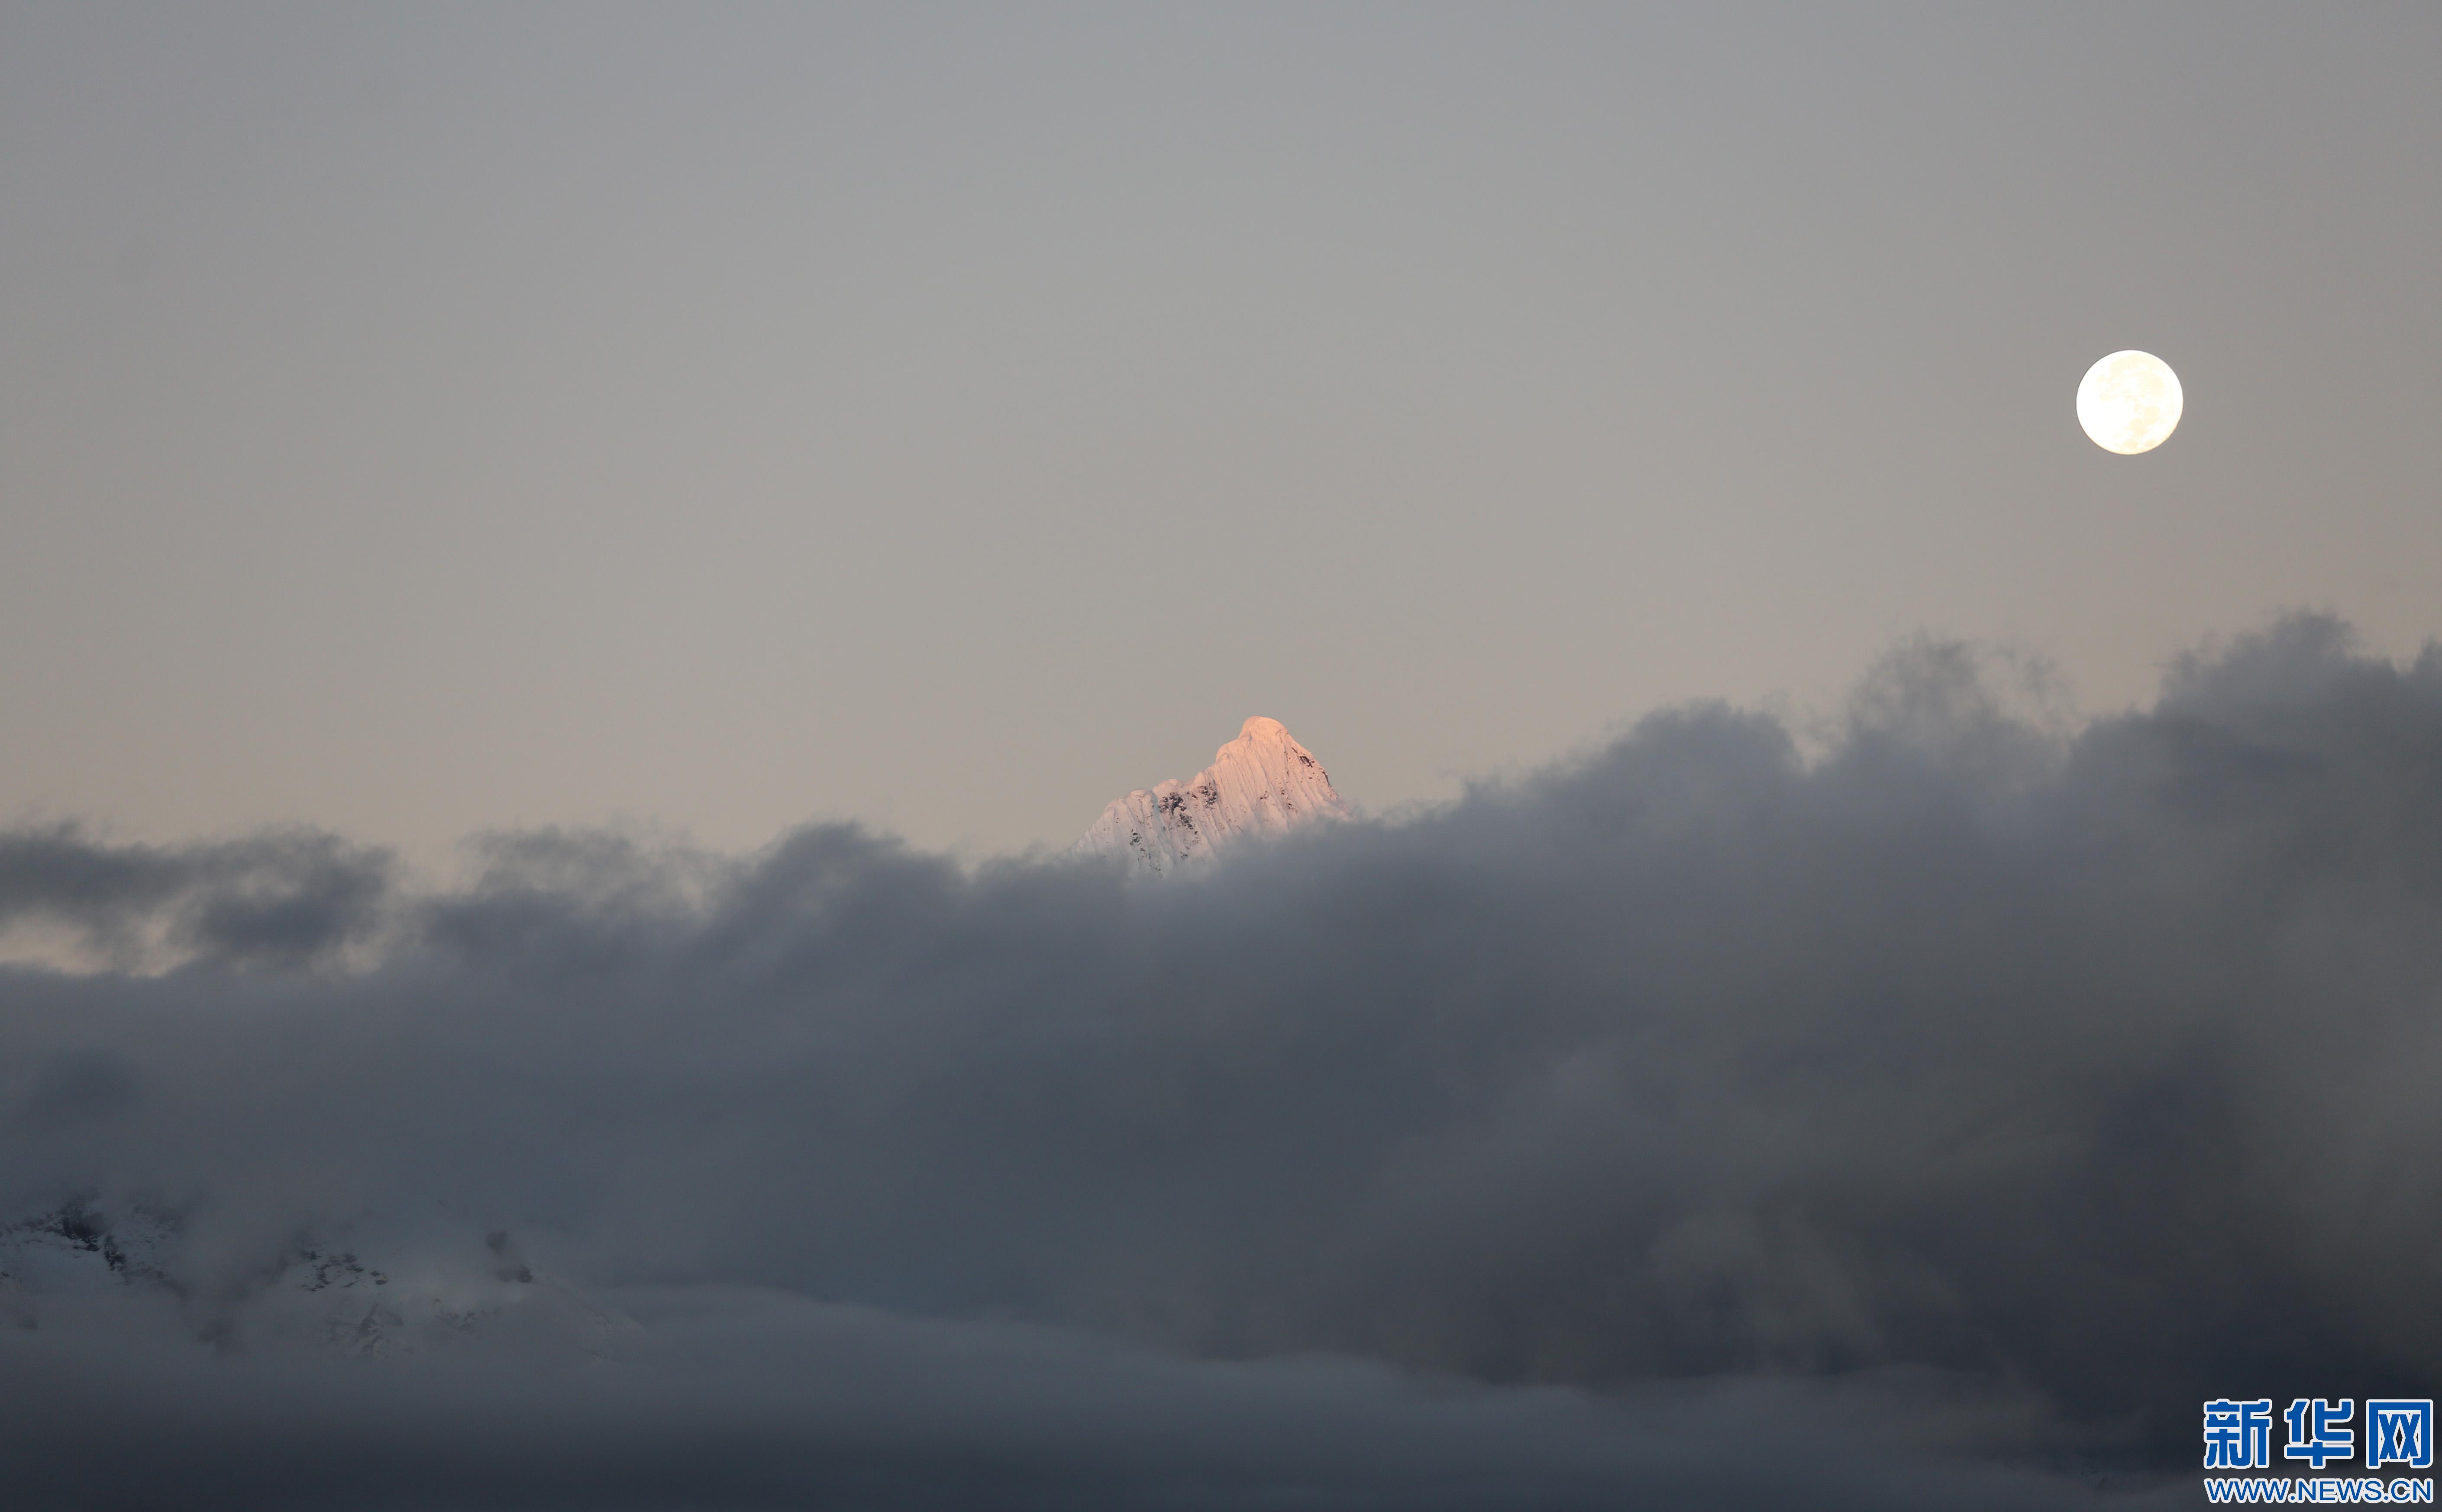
1262	782
61	1270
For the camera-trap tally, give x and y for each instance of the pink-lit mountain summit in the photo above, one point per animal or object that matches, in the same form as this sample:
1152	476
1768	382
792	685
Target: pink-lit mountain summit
1262	782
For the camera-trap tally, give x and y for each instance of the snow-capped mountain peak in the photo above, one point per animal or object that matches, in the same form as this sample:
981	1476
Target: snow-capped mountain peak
1262	782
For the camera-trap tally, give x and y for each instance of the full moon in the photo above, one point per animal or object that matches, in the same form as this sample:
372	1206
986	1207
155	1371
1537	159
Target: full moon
2129	402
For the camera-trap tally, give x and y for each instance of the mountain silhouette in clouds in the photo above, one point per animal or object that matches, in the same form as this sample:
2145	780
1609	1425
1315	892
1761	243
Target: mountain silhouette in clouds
1262	782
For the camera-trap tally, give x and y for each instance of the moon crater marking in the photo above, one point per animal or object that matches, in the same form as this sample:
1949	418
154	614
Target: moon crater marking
2129	402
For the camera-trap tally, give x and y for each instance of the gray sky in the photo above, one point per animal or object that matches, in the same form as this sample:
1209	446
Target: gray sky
420	419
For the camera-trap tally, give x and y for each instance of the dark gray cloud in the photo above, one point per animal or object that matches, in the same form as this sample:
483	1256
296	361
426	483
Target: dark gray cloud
286	898
1961	1106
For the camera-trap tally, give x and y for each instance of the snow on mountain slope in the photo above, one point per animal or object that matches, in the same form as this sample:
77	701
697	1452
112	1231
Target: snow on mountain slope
74	1266
1262	782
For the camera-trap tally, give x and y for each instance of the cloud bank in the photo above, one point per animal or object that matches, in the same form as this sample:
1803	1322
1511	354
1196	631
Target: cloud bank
1935	1121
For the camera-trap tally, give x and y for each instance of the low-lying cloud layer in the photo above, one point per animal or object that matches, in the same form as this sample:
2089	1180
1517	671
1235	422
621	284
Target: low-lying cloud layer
1936	1120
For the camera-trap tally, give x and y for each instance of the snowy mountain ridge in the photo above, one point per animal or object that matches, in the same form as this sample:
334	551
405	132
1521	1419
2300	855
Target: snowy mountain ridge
1262	782
68	1268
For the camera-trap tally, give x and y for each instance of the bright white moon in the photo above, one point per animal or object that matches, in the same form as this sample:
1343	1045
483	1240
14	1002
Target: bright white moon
2130	402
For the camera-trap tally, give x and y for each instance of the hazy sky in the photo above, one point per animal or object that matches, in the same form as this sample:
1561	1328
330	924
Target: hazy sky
417	419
